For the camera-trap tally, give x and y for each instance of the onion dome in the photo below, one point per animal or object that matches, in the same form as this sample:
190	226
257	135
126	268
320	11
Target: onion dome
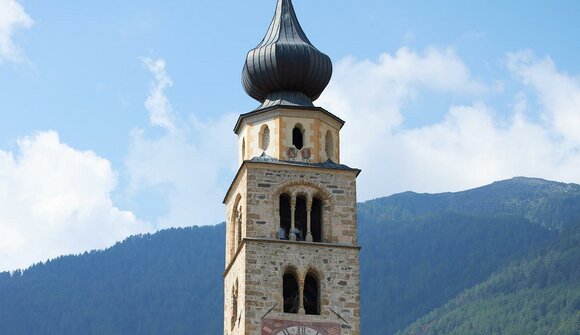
285	68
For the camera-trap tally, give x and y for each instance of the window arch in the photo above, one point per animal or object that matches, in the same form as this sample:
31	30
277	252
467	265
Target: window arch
235	225
316	220
239	225
329	145
290	292
300	218
298	136
264	138
285	216
311	294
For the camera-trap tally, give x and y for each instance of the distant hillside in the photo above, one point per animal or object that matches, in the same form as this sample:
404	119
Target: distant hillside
166	283
419	252
550	204
537	296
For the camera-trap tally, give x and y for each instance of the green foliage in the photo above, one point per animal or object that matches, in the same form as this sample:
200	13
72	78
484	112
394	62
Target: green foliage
417	265
419	251
166	283
550	204
540	295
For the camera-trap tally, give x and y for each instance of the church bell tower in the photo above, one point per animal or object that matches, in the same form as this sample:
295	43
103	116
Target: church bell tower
292	258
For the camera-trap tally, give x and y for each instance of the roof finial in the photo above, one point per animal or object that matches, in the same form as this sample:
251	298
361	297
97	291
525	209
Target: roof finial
285	68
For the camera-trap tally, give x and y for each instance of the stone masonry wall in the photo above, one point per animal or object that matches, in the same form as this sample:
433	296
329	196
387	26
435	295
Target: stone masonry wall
235	273
336	188
281	122
238	192
258	263
336	267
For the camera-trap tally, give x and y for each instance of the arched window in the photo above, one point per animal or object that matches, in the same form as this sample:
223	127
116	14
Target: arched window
329	145
311	295
316	220
285	216
291	293
235	226
234	305
264	139
298	136
300	216
239	224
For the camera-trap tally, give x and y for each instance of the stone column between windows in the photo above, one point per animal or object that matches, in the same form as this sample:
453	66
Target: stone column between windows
301	309
308	219
292	234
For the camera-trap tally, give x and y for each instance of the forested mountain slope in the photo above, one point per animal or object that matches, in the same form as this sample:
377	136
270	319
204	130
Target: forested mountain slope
165	283
536	296
550	204
419	252
412	267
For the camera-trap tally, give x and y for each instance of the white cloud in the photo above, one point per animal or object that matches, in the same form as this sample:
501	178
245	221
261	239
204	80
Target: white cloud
12	18
382	87
437	69
471	148
559	93
370	96
160	110
56	200
472	145
188	161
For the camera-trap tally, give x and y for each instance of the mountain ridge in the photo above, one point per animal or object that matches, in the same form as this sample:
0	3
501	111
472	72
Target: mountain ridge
419	253
528	206
536	295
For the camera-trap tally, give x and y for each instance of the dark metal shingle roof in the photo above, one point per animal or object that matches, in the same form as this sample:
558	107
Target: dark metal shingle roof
285	68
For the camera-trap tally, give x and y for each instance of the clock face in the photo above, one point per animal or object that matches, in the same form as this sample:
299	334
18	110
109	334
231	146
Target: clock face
299	327
298	330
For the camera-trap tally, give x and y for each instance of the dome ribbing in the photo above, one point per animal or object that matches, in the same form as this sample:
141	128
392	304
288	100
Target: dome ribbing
285	68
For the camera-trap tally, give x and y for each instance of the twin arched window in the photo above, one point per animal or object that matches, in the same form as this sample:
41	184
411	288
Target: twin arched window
298	299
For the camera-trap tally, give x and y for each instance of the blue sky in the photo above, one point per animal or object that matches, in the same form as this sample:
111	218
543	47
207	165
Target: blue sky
116	117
